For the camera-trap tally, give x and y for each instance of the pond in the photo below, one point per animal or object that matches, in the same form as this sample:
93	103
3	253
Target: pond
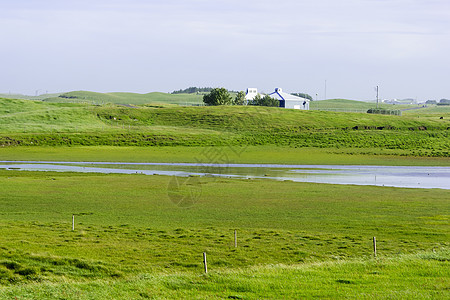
394	176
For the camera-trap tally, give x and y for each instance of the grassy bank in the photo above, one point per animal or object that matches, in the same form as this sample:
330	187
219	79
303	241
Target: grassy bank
225	155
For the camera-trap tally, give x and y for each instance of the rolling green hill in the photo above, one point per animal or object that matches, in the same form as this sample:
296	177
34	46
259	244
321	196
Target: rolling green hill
38	116
27	97
430	111
352	105
127	98
24	122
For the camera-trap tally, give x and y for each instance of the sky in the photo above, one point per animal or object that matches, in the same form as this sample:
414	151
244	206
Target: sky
326	48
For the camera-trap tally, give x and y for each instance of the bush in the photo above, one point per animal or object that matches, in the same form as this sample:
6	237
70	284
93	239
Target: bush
381	111
240	98
264	101
444	102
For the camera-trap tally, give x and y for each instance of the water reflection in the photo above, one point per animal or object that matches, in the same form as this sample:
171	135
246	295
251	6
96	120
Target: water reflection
395	176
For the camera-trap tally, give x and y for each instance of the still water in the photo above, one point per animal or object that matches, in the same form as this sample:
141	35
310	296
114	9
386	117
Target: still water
394	176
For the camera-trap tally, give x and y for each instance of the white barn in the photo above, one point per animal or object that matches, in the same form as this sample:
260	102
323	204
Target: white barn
290	101
286	100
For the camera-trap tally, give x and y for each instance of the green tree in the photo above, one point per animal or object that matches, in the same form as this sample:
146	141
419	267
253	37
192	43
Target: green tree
217	96
239	99
444	102
256	101
264	101
193	90
269	101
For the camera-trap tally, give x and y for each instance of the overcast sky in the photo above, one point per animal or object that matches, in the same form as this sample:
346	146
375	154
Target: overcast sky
164	45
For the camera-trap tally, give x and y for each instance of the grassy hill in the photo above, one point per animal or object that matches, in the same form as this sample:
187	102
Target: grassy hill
127	98
25	122
37	116
430	111
352	105
27	97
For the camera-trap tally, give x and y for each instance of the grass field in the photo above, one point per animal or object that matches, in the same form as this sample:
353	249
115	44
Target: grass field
132	240
419	276
226	155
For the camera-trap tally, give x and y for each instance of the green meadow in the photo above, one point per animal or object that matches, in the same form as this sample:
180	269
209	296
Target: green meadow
143	237
133	234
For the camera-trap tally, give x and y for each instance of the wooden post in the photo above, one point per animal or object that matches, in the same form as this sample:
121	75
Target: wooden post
235	238
204	262
73	222
374	247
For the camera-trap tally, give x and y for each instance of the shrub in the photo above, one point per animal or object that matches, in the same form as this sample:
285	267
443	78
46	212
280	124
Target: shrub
381	111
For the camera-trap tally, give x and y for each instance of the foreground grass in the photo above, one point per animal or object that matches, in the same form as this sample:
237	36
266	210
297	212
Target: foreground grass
413	276
135	238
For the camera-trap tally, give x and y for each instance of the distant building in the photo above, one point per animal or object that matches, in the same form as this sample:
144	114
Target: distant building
290	101
251	93
286	100
400	101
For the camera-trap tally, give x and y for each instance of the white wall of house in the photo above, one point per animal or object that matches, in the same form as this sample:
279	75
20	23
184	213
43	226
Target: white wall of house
304	105
251	93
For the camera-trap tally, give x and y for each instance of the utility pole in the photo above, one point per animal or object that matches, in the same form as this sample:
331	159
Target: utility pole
377	96
325	98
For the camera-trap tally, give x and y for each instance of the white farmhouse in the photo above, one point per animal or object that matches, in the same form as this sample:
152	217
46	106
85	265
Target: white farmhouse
251	93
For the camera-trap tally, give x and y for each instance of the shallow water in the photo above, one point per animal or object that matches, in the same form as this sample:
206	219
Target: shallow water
394	176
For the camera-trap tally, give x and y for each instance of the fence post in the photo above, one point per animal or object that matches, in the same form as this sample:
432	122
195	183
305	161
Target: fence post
204	262
73	222
374	247
235	238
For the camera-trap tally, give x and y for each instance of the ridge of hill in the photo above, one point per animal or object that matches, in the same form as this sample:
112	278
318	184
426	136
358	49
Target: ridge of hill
27	97
127	98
